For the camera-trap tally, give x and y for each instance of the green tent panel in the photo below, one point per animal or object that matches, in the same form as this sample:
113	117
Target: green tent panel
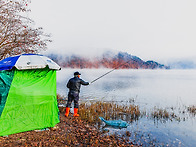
28	100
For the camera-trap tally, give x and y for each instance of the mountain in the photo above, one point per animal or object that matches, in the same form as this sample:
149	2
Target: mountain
121	60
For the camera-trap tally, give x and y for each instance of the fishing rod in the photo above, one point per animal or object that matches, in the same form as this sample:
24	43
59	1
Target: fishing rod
109	72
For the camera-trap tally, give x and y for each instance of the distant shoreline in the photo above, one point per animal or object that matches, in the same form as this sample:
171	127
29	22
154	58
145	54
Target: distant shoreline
121	60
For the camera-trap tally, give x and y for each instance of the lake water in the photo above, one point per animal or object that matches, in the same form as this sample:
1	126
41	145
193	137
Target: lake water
148	89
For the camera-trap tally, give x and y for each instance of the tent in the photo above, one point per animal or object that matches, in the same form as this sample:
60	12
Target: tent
27	93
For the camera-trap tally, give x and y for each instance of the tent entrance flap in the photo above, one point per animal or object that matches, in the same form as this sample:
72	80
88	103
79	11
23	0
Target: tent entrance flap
31	103
5	82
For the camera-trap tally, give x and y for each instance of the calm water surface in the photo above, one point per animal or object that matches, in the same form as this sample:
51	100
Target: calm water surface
147	88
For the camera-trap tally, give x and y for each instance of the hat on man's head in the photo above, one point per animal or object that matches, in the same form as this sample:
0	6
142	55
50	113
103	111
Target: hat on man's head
77	73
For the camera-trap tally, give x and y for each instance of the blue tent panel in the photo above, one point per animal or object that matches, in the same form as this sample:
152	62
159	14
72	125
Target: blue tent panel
8	63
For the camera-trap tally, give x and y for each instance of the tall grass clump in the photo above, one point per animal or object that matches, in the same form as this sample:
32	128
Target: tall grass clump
160	113
90	112
192	110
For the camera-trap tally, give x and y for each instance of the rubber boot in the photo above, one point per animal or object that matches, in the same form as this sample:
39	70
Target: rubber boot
67	112
76	112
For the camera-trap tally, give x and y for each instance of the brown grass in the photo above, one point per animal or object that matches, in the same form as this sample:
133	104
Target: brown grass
192	109
91	111
160	113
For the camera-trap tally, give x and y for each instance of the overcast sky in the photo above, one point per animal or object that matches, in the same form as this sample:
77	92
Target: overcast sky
149	29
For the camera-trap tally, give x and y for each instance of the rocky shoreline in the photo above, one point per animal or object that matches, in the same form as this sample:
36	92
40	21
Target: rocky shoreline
85	129
70	131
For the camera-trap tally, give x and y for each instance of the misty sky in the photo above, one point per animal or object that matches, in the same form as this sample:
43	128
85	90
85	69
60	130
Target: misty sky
150	29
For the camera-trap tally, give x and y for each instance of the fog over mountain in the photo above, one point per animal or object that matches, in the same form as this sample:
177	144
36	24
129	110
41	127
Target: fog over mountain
152	30
183	63
108	59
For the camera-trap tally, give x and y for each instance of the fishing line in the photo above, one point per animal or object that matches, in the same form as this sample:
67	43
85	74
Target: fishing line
108	92
109	71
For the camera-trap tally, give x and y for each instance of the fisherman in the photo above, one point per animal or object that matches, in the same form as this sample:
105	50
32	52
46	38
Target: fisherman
74	85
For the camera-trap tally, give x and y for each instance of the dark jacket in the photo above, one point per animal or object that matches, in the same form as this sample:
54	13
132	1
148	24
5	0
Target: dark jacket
75	83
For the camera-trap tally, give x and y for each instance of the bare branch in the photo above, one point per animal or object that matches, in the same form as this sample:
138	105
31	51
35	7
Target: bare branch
16	33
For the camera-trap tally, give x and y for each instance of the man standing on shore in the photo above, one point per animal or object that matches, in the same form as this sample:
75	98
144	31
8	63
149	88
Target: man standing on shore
74	85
